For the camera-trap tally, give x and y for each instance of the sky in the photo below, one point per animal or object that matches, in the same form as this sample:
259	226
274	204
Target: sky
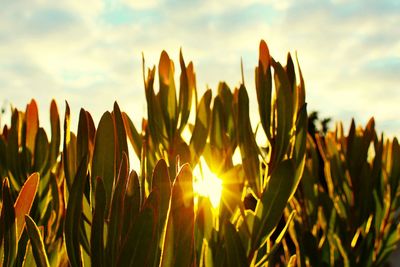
89	52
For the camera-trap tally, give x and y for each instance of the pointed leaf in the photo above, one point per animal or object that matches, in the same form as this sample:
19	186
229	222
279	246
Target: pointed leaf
10	226
273	200
103	155
247	143
73	215
68	159
167	93
97	230
82	138
132	202
235	253
264	88
284	111
185	92
179	237
55	133
139	240
24	201
121	146
38	249
41	150
116	216
134	137
201	126
32	125
162	183
301	134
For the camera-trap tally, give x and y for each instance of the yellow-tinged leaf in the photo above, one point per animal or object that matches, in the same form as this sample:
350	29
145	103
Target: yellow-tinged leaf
178	248
164	67
38	249
292	261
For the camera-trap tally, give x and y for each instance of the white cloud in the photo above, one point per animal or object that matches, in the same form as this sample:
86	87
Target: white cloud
69	51
141	4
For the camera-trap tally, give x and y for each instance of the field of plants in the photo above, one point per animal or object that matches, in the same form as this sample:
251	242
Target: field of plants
298	198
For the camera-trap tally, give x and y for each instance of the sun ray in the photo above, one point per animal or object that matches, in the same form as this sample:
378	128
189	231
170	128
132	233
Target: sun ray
207	184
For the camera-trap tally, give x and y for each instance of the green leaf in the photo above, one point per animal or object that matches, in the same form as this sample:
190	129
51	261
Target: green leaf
185	92
73	215
235	253
13	136
68	159
162	183
395	170
156	122
278	240
201	127
273	200
82	138
29	260
167	93
301	134
103	156
301	91
38	249
264	88
132	202
116	216
226	96
284	111
247	143
121	146
217	121
24	201
55	134
289	69
91	129
10	226
136	249
178	248
41	150
97	230
134	137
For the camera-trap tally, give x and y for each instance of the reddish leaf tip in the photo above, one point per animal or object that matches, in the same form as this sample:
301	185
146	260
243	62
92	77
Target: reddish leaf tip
264	56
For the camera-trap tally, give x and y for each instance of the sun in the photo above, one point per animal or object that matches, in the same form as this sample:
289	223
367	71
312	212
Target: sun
207	184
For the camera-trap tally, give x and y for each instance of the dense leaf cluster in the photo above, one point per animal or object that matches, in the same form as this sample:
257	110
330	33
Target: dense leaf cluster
73	199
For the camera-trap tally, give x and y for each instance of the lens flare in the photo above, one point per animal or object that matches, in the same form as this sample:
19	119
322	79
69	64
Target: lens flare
207	184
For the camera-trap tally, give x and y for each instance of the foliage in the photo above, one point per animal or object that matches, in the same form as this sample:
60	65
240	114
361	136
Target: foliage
81	204
348	200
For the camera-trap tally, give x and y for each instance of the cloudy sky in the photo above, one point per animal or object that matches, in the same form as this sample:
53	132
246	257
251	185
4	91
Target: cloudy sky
89	52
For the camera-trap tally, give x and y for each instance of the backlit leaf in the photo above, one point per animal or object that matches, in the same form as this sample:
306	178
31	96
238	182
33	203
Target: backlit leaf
103	155
38	249
9	226
24	201
74	214
178	248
